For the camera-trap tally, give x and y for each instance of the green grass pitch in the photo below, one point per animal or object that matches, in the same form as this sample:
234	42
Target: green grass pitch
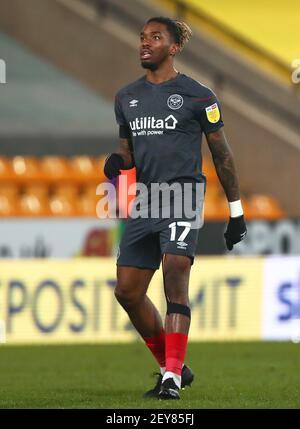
227	375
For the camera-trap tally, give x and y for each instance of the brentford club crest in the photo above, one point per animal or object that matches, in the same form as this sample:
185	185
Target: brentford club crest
175	101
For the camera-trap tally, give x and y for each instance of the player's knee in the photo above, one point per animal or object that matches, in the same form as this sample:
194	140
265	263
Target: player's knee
176	274
177	264
176	269
126	297
122	295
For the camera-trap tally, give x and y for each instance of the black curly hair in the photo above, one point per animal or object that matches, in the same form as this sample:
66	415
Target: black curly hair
179	31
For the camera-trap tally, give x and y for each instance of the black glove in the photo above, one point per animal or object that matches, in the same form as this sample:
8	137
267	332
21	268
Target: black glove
236	231
113	164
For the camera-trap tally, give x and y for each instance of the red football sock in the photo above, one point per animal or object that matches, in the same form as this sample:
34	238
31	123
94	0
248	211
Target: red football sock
157	347
175	351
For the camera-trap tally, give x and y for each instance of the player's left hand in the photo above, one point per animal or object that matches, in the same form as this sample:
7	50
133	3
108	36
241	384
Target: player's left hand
113	164
236	231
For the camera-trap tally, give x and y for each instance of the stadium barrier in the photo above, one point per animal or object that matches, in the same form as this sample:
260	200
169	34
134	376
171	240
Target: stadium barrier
72	301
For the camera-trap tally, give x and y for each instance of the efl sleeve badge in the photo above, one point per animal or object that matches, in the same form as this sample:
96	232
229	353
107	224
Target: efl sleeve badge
213	113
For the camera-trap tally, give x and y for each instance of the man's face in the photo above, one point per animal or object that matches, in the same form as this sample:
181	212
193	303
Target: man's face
156	45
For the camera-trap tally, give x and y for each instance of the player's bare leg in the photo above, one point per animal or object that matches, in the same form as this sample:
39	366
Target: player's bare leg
176	270
131	292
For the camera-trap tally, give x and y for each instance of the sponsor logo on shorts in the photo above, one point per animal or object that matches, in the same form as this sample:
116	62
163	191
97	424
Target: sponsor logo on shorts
181	245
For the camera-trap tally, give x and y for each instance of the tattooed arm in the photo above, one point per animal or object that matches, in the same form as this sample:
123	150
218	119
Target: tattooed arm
223	160
224	163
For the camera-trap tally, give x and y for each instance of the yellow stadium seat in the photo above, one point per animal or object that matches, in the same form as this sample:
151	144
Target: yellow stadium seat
213	191
9	189
100	166
26	168
265	207
63	205
90	189
6	171
66	189
57	186
87	205
56	169
248	212
88	200
9	205
34	205
41	190
216	209
85	169
209	171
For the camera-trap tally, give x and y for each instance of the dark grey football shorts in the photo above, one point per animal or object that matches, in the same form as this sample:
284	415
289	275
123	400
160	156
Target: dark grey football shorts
145	241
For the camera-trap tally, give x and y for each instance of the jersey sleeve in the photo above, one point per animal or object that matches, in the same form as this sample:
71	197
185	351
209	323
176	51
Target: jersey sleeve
124	131
208	112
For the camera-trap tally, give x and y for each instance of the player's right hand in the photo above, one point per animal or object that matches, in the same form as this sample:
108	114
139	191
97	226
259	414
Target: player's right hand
236	231
113	164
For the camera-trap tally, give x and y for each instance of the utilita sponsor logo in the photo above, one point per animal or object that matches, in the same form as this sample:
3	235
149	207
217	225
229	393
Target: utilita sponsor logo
149	125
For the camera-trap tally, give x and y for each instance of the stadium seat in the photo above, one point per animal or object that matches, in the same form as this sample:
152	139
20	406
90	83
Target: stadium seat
87	201
67	190
248	212
41	190
56	169
32	205
27	182
89	189
26	169
100	166
213	191
9	189
9	205
6	171
265	207
209	171
63	205
216	209
210	210
85	169
34	200
87	205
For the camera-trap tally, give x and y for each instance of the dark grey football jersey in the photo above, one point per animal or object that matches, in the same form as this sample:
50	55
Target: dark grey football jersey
165	123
